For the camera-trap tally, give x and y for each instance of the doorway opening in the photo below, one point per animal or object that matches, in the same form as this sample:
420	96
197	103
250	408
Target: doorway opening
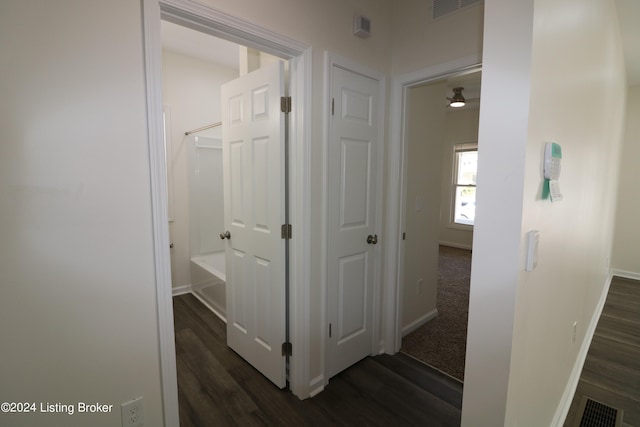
195	66
213	22
234	203
439	212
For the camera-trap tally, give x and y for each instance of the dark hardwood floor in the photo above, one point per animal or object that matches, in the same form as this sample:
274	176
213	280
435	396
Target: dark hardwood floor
611	372
218	388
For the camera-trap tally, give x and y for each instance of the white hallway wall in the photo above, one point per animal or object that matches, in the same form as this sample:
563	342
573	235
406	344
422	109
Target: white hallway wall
419	42
432	130
110	212
425	127
520	353
75	186
626	251
77	293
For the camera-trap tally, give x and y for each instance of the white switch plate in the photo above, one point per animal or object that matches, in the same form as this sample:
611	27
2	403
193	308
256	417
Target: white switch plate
533	238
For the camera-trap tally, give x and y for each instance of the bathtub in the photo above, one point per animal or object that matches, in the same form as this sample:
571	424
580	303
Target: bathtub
213	263
208	282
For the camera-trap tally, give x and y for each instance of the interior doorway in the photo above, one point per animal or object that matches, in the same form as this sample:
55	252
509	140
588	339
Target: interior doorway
225	137
439	211
194	67
211	21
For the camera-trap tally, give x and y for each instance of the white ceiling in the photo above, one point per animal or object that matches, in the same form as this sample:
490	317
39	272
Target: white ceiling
194	43
203	46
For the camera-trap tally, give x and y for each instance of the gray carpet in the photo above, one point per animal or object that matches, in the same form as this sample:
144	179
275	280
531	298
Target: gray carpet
441	342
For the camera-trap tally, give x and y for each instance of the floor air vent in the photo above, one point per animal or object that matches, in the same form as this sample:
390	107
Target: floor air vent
596	414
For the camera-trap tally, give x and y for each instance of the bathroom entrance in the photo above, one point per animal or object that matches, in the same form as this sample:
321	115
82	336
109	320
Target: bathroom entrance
224	134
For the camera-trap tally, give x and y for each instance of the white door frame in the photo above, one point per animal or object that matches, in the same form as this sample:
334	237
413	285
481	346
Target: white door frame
331	60
397	188
209	20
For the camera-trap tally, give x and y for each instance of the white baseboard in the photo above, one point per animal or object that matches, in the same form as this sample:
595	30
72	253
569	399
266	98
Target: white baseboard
570	390
626	274
419	322
210	307
456	245
316	385
181	290
188	289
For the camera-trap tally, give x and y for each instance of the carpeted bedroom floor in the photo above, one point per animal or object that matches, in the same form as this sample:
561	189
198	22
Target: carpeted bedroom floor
441	342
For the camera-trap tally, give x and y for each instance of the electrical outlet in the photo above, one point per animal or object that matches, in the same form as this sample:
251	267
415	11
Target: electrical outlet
419	286
575	330
132	413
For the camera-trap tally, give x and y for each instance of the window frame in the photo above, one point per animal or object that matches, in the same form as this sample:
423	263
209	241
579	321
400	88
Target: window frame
459	148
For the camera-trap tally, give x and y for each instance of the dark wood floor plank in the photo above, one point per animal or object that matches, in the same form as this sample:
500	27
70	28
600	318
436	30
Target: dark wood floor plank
618	329
624	311
212	330
441	385
351	407
612	376
257	386
201	315
215	381
604	348
624	307
197	408
216	387
402	397
611	372
630	287
276	404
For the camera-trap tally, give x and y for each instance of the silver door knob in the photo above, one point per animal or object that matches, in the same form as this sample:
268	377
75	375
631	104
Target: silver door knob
225	235
372	239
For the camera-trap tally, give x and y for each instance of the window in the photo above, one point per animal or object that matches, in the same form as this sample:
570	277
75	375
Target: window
465	165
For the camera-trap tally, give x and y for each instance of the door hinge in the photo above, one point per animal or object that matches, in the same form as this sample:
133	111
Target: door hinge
286	231
285	104
287	349
333	106
329	330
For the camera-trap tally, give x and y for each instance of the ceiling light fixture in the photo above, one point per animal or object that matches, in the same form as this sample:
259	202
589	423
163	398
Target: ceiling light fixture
457	100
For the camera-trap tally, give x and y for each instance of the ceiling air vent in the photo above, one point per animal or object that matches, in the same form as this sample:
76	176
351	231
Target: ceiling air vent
361	26
445	7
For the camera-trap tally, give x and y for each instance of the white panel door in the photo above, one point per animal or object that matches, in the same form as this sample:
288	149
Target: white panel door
352	224
254	203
